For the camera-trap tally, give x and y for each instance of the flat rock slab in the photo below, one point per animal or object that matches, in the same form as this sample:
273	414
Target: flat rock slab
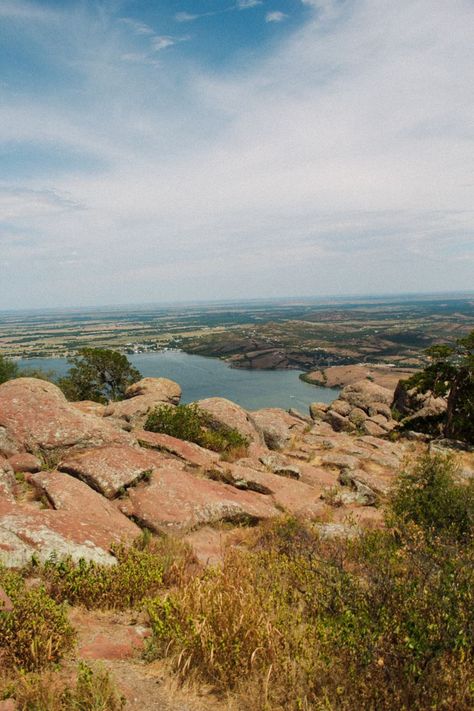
190	452
81	523
35	415
292	496
175	500
110	470
26	531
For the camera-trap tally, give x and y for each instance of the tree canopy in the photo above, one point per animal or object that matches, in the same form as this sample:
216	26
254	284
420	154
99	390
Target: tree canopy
98	374
450	374
8	369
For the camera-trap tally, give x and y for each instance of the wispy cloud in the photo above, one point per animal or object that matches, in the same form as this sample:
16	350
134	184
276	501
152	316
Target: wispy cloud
246	4
188	16
162	42
275	16
339	161
140	28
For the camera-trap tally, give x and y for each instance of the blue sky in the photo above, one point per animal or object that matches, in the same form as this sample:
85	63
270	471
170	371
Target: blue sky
203	149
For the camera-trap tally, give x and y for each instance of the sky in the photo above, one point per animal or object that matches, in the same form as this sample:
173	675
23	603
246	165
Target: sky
167	150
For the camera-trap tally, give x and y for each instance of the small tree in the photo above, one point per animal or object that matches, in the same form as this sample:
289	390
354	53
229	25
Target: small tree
8	369
450	374
98	374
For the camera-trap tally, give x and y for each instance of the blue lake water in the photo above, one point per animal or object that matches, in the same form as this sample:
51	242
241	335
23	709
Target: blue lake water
202	377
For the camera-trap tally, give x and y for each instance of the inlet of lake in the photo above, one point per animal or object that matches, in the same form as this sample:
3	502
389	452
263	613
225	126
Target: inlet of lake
201	377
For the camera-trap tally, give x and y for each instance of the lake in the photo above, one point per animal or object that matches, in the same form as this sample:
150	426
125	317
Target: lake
202	377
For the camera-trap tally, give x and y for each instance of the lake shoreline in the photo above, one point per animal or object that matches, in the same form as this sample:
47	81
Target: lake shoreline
208	376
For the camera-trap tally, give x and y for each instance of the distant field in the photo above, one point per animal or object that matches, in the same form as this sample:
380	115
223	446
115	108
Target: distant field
302	334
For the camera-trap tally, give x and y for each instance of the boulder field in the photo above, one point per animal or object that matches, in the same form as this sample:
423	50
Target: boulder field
77	478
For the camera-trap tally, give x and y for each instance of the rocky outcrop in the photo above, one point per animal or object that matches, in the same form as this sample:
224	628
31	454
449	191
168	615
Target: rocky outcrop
277	426
111	470
7	480
189	452
318	409
362	406
25	463
224	413
36	417
422	411
140	399
106	483
341	375
175	500
79	523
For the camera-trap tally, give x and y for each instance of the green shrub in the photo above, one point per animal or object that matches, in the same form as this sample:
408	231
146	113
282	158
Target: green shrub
190	423
37	632
8	369
428	495
140	572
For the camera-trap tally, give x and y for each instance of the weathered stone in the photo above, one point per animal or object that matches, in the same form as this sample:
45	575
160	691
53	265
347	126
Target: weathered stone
82	532
317	410
7	480
341	461
191	453
364	393
35	415
141	398
279	465
338	422
25	462
105	638
292	496
175	500
90	407
82	525
341	407
209	544
378	484
372	441
277	426
299	416
110	470
408	401
224	413
379	408
373	429
161	389
357	416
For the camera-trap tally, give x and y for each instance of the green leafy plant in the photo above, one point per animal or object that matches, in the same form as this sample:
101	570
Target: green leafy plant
429	495
140	572
36	632
450	374
190	423
8	369
98	374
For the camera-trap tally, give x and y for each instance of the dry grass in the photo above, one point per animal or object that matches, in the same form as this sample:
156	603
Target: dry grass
89	689
304	624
